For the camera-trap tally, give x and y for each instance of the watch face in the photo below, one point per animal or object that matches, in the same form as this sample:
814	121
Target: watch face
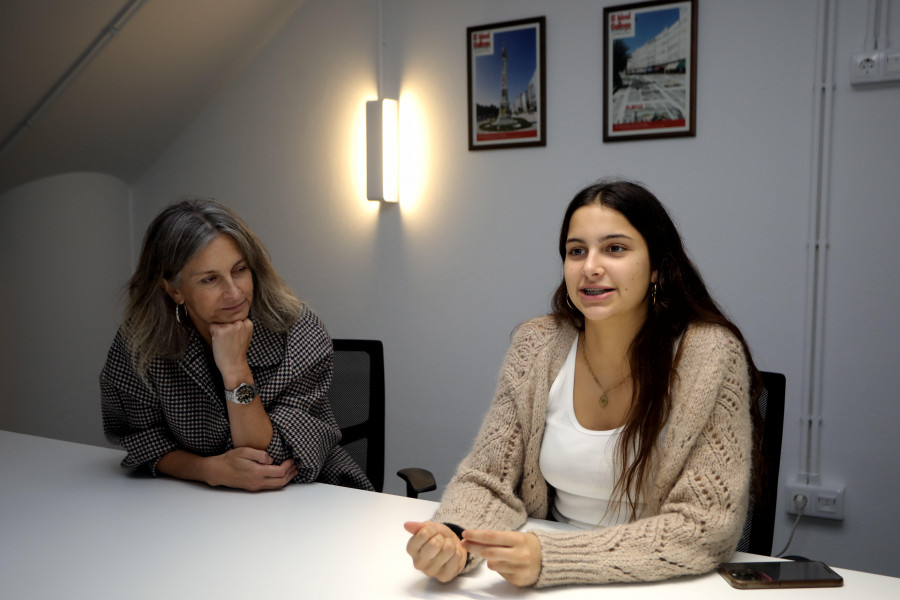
244	394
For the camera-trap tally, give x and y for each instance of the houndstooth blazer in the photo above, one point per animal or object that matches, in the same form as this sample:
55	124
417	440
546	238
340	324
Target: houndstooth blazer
184	405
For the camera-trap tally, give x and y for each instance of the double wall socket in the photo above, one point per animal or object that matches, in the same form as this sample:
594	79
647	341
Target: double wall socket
875	66
822	501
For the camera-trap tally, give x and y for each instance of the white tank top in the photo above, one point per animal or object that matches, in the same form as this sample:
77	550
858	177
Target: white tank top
579	463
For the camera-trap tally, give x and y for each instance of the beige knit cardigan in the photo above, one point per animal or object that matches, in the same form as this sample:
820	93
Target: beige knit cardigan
699	501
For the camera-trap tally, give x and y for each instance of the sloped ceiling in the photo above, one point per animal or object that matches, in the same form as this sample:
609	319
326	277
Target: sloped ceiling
152	78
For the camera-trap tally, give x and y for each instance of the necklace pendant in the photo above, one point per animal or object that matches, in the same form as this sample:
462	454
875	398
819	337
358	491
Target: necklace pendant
603	400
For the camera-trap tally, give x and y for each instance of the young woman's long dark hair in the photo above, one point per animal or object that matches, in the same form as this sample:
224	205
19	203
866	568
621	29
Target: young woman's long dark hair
680	299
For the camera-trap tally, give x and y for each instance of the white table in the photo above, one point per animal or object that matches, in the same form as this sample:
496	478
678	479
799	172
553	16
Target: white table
74	525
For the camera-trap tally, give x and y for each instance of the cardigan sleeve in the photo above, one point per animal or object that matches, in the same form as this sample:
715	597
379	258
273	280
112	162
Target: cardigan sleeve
485	492
706	457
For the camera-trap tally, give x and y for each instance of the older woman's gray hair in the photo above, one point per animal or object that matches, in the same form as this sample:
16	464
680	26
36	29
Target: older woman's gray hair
174	237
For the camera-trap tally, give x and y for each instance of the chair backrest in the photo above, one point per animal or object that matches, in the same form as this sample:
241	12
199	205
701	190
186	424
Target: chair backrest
357	399
759	527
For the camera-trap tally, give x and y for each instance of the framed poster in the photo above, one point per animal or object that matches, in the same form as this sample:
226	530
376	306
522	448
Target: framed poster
649	70
507	99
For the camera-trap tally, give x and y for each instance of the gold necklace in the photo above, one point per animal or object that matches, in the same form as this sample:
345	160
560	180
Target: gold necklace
604	398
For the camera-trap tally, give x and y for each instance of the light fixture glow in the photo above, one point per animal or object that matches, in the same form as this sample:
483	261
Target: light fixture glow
382	150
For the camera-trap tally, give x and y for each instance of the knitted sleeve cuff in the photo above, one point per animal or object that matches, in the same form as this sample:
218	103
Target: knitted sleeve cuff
565	561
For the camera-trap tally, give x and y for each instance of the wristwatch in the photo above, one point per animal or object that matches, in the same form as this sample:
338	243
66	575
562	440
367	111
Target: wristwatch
242	394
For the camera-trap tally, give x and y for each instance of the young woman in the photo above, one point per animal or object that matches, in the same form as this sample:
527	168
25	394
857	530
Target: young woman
219	373
626	413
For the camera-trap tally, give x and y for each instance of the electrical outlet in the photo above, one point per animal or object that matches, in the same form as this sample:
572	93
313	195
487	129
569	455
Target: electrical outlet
891	65
875	66
824	501
866	67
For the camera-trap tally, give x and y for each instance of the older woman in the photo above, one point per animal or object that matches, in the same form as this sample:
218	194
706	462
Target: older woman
219	373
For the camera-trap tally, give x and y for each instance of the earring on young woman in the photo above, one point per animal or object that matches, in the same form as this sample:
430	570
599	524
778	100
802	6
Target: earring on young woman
569	303
177	316
653	290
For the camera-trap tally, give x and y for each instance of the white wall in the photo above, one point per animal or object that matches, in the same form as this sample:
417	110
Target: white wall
444	278
861	378
66	255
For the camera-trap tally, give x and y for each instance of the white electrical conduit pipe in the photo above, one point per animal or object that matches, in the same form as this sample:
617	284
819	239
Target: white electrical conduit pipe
817	243
882	42
871	16
380	49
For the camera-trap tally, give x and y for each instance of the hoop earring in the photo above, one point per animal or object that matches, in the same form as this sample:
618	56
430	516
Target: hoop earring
653	290
177	316
569	303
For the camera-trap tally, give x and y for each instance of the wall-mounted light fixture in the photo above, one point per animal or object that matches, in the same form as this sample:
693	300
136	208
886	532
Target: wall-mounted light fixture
382	150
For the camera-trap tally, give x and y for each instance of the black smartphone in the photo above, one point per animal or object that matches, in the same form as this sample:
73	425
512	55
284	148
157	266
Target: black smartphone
778	574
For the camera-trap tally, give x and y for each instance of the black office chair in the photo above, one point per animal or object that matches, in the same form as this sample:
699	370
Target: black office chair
759	527
357	399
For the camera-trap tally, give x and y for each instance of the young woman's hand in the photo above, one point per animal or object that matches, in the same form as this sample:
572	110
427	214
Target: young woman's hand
435	550
516	556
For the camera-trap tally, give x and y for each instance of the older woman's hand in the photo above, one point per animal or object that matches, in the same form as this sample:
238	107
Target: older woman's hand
435	550
251	469
230	342
243	468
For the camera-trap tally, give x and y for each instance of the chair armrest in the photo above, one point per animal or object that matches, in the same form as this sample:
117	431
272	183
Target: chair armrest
417	481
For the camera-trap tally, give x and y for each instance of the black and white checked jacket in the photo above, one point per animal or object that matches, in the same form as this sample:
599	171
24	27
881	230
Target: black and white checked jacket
184	405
